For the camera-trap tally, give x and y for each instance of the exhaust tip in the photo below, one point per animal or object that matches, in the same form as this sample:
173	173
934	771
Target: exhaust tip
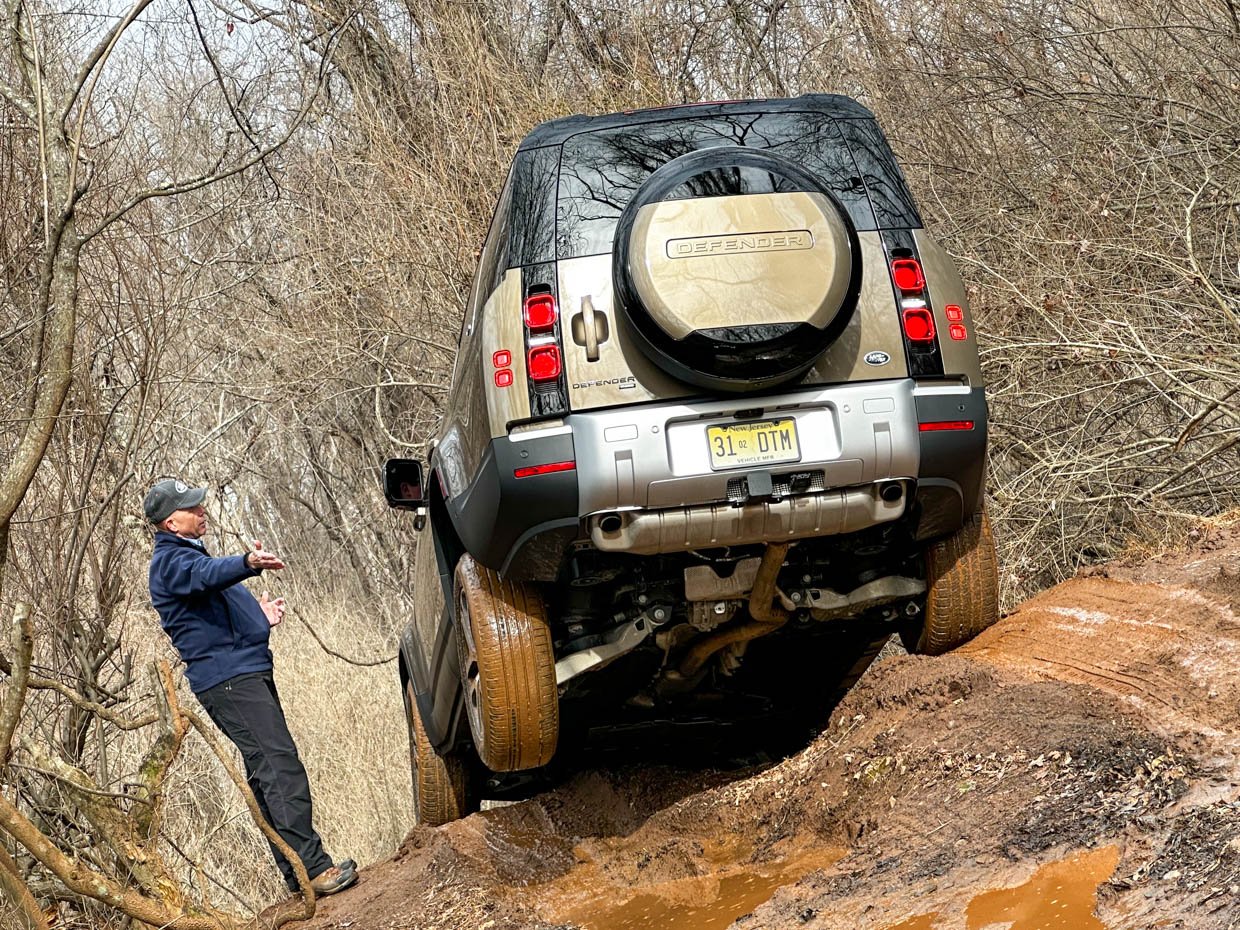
891	491
610	523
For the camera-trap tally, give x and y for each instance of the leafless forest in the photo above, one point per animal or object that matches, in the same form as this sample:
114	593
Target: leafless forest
235	239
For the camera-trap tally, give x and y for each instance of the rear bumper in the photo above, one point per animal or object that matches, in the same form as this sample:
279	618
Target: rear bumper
951	480
657	456
642	480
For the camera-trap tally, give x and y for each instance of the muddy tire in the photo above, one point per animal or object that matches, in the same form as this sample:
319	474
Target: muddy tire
507	669
962	599
442	785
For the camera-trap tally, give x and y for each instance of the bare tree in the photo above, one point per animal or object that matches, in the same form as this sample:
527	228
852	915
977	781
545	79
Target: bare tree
288	319
77	123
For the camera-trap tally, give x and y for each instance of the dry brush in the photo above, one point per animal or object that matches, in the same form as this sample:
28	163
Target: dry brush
278	333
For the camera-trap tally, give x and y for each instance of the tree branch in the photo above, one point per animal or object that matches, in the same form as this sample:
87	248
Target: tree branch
94	885
9	93
361	663
18	892
186	185
11	706
98	56
115	826
159	759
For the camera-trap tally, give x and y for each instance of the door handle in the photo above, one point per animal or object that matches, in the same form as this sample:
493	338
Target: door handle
589	328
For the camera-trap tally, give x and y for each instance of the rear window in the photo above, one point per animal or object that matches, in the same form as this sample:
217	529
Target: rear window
601	171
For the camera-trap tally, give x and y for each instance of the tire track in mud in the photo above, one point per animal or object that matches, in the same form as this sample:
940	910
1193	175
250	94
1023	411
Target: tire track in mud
1098	724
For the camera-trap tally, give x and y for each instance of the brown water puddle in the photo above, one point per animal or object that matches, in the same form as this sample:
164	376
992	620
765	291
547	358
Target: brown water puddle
711	901
1060	896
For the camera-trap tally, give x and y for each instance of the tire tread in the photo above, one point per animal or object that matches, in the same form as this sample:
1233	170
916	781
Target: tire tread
442	784
516	663
962	572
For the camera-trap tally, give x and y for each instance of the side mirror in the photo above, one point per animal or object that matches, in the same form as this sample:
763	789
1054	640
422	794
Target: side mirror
402	486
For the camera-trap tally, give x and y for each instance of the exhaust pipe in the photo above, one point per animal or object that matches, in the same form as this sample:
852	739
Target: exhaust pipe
891	491
768	615
610	523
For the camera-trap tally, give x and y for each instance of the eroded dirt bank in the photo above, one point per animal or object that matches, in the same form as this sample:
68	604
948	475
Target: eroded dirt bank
1075	767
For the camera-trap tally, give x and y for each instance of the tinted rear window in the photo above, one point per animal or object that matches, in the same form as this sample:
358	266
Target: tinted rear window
601	171
533	206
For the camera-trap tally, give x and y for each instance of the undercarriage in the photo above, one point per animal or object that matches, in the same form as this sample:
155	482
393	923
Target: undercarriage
682	625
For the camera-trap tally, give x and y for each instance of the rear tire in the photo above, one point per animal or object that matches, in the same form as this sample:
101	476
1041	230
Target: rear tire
962	576
442	785
507	668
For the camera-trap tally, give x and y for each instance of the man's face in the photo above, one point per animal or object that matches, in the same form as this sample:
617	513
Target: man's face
190	523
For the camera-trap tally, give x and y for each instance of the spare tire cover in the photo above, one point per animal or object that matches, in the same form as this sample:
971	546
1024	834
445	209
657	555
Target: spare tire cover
735	292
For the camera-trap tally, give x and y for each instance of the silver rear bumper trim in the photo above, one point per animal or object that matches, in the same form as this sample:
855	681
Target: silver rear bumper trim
657	456
706	526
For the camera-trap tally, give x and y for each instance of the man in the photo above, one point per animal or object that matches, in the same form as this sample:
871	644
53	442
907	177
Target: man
221	632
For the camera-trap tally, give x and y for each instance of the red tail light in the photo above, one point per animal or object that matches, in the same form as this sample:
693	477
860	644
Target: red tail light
544	363
918	324
530	470
945	425
540	311
906	272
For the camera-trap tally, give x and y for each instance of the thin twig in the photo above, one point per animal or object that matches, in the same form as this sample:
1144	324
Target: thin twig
361	663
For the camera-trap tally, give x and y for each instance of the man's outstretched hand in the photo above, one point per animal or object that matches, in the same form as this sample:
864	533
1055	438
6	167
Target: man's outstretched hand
273	609
268	561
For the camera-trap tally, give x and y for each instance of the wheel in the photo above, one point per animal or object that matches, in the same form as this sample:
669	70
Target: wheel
442	785
507	668
962	599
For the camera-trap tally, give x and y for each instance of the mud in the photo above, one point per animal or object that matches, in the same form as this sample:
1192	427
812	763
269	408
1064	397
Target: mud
1074	767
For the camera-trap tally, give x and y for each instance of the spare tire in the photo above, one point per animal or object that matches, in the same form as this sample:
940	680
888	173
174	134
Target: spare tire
735	291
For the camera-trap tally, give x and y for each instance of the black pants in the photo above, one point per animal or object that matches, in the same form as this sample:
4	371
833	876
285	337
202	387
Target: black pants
247	708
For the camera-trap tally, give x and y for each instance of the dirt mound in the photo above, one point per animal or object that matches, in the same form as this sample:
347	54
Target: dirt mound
1076	767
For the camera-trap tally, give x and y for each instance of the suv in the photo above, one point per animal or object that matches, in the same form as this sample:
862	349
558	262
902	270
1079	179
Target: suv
716	430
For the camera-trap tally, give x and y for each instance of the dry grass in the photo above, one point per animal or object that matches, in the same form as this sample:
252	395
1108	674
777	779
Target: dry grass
349	722
279	336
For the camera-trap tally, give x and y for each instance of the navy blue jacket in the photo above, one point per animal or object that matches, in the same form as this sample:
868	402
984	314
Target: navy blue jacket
217	625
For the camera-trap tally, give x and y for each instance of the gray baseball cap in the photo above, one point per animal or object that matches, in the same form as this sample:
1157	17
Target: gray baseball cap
169	495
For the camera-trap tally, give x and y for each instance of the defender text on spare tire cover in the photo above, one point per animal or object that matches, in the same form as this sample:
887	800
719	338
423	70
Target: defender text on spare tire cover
732	291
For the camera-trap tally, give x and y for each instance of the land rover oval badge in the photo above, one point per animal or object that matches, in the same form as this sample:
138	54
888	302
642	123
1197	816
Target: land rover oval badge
877	358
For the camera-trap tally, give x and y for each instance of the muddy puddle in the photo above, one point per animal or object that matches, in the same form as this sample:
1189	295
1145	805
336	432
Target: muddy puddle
716	891
1060	896
654	879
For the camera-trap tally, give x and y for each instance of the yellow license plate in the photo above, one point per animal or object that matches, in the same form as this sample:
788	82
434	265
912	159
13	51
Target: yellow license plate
765	442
